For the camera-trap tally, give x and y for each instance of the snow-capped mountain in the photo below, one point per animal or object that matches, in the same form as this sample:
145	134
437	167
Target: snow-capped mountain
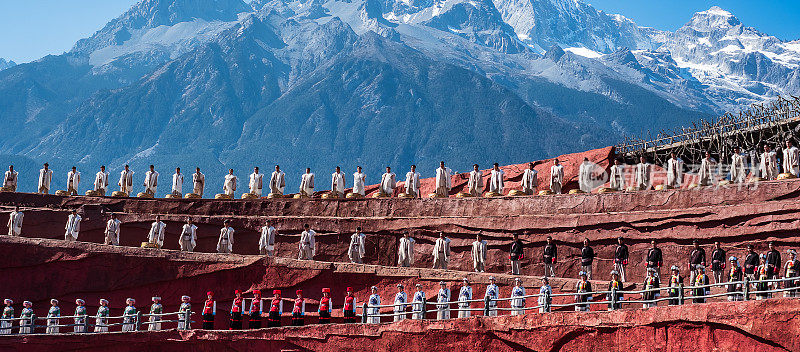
319	83
4	64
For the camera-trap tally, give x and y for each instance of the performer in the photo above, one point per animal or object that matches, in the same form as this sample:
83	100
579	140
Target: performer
307	245
479	254
400	301
617	177
549	257
620	258
156	309
675	282
256	183
237	308
586	175
80	316
112	231
769	164
10	179
225	242
545	296
441	252
356	249
493	292
129	315
185	307
229	186
275	310
443	181
517	299
651	287
464	296
418	305
583	288
266	243
587	258
255	311
530	180
177	182
674	171
8	317
696	258
373	309
299	310
101	318
15	222
156	234
277	181
349	309
700	280
126	181
359	182
405	251
307	183
209	311
762	273
556	177
643	174
718	263
53	317
751	262
614	284
198	182
654	258
496	180
73	180
73	226
45	176
738	166
26	318
101	181
325	306
475	182
188	239
443	308
516	254
790	271
151	181
791	159
412	182
388	182
706	173
338	183
736	274
773	262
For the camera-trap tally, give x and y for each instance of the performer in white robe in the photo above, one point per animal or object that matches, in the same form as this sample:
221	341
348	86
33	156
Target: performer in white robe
10	180
769	164
791	159
177	182
45	176
443	180
53	317
126	181
229	186
443	308
337	182
307	183
359	182
277	182
479	254
617	177
388	182
15	222
475	183
674	171
556	177
266	243
412	182
738	166
493	292
156	234
73	180
497	180
225	241
198	182
356	249
706	172
586	176
405	251
530	180
464	295
400	301
112	231
73	226
308	244
441	252
256	183
643	174
517	299
151	181
418	304
372	307
188	238
101	181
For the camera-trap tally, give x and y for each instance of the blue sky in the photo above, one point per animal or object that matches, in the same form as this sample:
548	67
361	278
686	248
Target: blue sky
30	29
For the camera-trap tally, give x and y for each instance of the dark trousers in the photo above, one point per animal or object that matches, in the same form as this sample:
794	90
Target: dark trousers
274	319
350	316
255	321
236	321
208	321
298	319
324	317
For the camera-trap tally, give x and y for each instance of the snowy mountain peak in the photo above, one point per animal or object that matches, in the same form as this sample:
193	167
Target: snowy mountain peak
713	19
4	64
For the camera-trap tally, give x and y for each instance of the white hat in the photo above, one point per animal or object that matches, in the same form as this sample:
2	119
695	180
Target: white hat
130	300
185	298
491	277
8	301
103	300
156	298
25	303
53	301
80	301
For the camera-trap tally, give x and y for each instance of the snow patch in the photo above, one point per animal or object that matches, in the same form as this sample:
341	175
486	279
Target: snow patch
584	52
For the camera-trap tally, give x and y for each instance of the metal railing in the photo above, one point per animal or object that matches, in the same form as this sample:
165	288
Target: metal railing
83	323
